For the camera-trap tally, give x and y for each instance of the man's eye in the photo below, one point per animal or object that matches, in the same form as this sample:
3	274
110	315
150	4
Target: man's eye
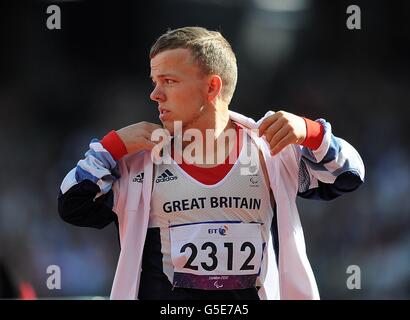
169	81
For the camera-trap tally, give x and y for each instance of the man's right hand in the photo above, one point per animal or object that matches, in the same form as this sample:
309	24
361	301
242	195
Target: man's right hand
137	137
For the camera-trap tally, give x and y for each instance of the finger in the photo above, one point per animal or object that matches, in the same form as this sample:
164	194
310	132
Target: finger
147	144
157	136
278	137
146	135
273	129
266	123
282	144
150	127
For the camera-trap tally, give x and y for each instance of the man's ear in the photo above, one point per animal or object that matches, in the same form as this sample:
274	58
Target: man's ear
214	87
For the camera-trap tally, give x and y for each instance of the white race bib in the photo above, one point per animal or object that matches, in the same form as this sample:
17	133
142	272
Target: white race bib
216	256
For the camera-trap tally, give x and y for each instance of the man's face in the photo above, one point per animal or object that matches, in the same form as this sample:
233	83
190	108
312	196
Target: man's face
180	87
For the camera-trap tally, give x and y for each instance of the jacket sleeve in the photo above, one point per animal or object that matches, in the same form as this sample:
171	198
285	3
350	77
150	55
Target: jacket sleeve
331	170
86	196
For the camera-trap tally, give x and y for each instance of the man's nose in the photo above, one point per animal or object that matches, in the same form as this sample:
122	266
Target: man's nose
157	95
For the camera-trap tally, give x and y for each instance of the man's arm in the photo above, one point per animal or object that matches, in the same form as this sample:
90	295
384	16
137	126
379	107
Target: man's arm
329	166
86	197
329	171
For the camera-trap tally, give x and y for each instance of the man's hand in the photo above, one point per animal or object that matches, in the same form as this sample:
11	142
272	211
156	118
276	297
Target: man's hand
281	129
137	137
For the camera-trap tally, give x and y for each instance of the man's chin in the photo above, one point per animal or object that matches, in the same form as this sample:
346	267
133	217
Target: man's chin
173	126
169	125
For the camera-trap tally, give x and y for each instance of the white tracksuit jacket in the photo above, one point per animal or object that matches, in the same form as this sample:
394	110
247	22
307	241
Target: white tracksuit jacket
294	171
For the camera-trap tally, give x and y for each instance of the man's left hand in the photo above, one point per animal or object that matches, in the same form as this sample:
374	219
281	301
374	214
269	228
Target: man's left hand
281	129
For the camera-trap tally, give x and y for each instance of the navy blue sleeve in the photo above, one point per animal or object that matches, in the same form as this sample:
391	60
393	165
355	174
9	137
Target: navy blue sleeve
332	170
86	197
79	207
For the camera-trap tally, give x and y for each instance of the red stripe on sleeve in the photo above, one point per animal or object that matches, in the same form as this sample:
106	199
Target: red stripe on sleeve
114	145
314	134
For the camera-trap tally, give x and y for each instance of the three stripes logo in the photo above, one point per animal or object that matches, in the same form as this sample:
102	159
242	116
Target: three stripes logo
139	178
165	176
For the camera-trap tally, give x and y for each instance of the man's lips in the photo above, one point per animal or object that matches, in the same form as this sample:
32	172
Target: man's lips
164	113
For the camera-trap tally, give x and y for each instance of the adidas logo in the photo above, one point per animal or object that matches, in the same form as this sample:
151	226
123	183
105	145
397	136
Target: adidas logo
165	176
139	178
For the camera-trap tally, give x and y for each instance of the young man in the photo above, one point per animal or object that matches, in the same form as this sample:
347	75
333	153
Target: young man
220	228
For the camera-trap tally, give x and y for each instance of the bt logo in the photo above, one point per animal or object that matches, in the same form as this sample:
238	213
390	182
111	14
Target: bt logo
221	230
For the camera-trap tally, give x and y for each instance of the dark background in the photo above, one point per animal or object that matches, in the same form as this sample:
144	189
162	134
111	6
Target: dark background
60	88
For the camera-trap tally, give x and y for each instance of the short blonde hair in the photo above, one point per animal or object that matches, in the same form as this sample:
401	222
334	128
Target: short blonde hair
210	50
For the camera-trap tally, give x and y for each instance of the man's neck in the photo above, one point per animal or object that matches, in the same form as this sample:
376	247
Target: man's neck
212	125
211	117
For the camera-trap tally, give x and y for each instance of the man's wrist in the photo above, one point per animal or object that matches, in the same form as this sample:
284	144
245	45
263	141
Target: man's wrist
114	145
314	134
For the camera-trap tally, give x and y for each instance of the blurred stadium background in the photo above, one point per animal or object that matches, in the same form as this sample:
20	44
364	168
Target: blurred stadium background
60	88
